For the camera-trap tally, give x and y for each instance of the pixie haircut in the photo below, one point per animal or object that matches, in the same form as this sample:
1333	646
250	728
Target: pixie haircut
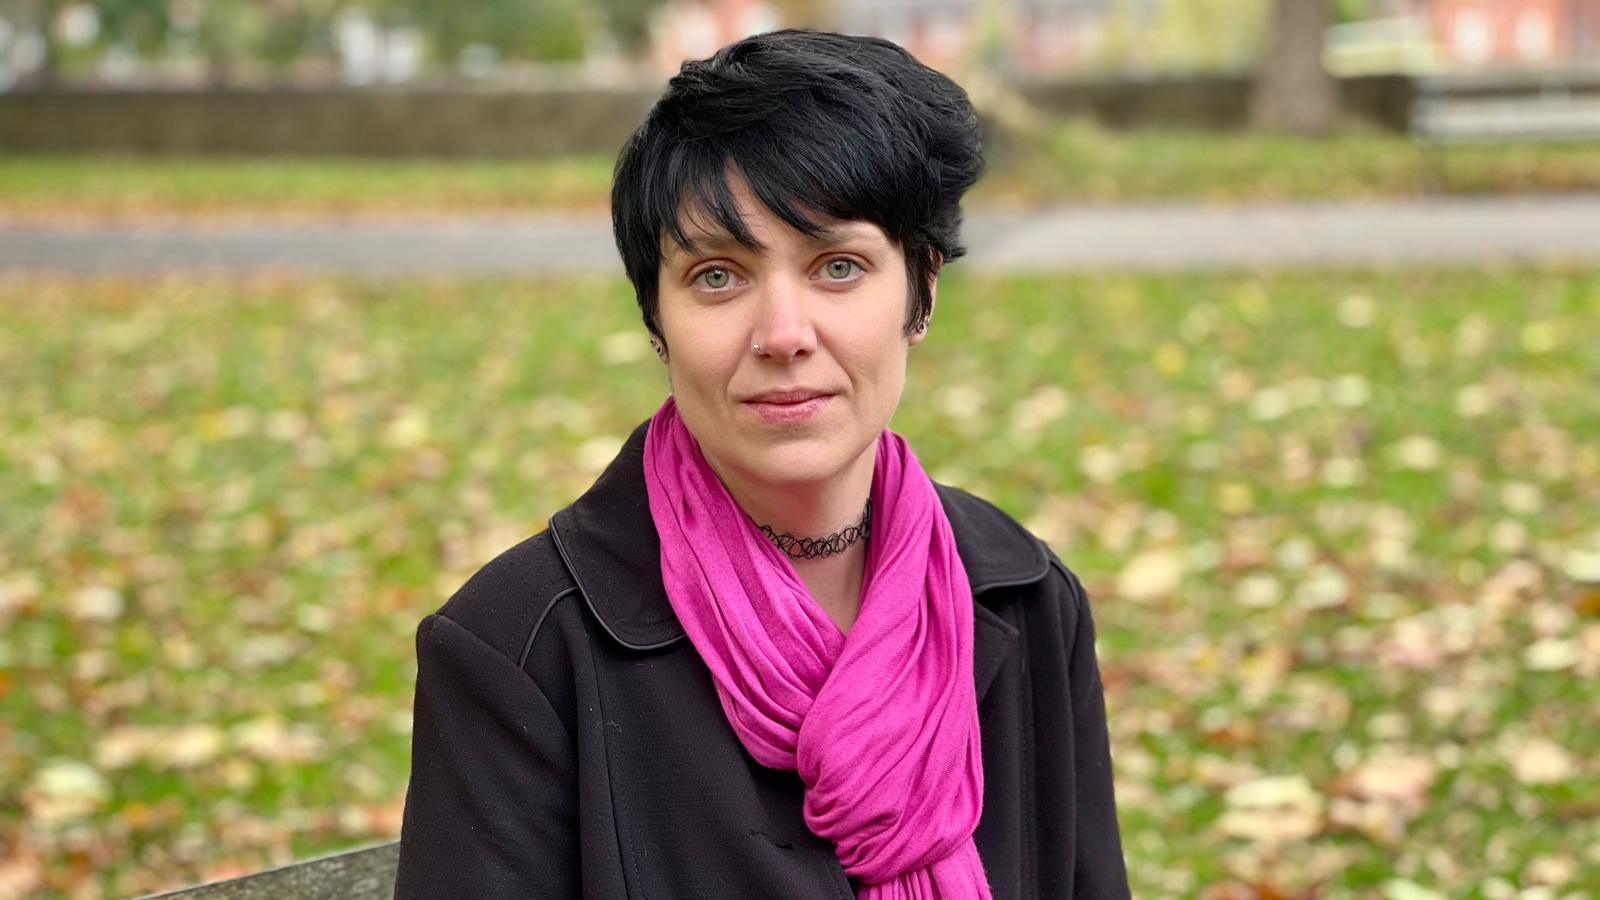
822	127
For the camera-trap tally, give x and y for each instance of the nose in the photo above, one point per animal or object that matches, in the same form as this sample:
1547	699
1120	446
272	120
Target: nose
783	328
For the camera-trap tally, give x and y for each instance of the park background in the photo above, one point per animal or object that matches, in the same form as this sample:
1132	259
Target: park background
1337	519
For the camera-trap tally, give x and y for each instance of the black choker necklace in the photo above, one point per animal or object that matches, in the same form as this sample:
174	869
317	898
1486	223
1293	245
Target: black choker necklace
811	548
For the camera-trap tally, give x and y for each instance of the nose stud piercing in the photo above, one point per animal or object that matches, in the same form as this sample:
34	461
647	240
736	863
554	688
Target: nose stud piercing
755	348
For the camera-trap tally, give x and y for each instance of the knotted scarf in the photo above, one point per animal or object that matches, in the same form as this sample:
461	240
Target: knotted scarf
881	724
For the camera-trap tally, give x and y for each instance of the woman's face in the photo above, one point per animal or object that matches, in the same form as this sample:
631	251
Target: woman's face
828	314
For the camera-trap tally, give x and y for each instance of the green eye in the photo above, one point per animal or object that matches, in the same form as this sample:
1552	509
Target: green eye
840	269
716	278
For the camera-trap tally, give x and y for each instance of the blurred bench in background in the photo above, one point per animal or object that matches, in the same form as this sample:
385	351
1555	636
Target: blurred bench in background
1507	106
363	874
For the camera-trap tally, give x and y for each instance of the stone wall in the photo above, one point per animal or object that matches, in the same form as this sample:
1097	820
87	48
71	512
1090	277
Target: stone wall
551	121
389	122
1212	102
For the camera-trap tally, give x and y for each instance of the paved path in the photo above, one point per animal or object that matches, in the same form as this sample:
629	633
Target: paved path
1137	236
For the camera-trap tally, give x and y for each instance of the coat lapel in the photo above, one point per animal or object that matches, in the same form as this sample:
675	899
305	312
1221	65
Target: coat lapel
609	543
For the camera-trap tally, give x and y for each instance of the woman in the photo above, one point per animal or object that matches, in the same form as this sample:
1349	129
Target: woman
764	656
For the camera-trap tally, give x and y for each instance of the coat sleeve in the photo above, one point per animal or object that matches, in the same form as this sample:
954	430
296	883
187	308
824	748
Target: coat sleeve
490	810
1101	870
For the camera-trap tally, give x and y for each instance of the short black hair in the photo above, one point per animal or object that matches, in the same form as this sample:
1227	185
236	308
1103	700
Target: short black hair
840	126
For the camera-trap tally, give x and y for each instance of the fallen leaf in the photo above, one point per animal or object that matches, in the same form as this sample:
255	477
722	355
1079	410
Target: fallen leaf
63	790
1538	760
1274	809
1151	575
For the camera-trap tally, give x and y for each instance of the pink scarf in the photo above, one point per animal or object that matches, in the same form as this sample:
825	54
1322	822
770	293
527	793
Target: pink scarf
882	724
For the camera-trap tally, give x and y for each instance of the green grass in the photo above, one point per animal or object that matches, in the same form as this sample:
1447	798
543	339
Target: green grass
1077	161
131	186
1069	162
1333	524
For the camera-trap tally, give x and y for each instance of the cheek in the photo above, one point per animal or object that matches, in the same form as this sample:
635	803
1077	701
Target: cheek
702	362
875	359
691	349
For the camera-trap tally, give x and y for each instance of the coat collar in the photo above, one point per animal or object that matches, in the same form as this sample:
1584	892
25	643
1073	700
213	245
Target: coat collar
608	541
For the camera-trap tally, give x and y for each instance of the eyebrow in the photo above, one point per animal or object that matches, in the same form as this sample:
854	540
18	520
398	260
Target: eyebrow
721	241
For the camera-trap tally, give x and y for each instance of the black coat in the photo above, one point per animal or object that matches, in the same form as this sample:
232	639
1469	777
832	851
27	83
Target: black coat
568	740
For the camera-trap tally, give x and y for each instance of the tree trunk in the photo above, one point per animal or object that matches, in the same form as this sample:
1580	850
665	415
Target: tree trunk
1293	92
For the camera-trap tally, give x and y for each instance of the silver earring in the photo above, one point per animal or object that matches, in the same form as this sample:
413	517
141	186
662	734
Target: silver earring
756	347
922	326
656	347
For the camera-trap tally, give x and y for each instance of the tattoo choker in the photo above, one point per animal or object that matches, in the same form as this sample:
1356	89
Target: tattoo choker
812	548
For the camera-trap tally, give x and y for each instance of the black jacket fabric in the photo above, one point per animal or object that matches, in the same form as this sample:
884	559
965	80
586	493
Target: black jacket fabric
568	740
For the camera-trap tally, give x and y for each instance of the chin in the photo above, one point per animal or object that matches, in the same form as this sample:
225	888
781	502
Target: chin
802	461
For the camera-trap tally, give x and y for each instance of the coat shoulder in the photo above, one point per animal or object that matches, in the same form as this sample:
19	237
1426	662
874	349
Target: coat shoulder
1004	552
503	602
996	549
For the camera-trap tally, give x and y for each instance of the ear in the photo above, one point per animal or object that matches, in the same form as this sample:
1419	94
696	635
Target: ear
933	295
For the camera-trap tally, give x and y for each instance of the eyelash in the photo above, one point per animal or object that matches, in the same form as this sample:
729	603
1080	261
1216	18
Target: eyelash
832	259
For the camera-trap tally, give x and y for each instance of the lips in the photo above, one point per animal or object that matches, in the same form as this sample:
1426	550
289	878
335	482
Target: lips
788	406
787	396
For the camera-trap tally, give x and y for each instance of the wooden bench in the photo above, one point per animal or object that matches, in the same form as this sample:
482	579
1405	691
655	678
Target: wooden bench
366	873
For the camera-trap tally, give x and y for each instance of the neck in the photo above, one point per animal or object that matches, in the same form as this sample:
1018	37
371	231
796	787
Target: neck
815	510
807	509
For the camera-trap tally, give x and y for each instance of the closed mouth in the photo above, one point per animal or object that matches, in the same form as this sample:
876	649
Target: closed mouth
787	397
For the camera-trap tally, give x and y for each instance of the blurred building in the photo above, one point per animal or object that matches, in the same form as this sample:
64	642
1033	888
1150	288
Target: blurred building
1432	35
1026	36
695	29
1516	32
78	41
1057	34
